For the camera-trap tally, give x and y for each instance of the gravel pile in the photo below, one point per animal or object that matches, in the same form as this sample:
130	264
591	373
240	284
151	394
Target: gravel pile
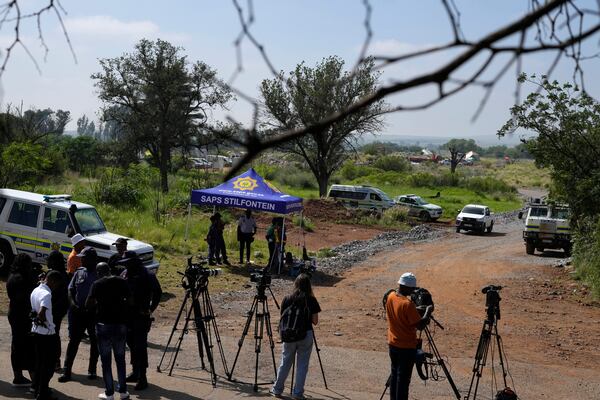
357	251
506	217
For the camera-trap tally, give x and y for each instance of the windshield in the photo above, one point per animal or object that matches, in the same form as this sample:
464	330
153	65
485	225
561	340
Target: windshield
382	194
560	213
538	212
473	210
420	201
89	221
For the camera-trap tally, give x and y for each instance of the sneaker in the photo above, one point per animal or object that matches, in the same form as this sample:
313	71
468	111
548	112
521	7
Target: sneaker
21	382
104	396
124	396
64	378
275	394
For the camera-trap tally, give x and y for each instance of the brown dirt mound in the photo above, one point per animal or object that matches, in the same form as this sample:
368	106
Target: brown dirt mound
327	210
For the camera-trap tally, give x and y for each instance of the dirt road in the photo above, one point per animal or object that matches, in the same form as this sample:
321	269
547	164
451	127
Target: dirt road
549	326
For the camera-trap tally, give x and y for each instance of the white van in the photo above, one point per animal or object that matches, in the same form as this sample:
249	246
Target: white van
365	197
36	224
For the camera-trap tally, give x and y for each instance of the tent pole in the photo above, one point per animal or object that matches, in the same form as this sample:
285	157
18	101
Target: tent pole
187	224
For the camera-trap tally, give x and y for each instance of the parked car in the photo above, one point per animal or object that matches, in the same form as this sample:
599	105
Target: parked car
475	217
36	224
418	207
365	197
200	163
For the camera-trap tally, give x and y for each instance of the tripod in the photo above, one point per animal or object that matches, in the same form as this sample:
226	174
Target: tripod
259	311
320	363
205	327
430	364
490	330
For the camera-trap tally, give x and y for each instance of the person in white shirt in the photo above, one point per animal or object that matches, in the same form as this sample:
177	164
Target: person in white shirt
45	338
245	233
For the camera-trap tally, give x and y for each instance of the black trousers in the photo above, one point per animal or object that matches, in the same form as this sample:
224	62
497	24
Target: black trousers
245	241
80	322
137	341
21	348
45	362
403	361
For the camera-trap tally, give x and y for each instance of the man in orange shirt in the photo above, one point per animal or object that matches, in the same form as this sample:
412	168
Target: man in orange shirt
74	262
403	322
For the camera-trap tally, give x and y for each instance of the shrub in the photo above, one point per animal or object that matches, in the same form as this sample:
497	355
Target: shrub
393	216
113	187
488	184
392	163
22	163
305	223
586	254
422	179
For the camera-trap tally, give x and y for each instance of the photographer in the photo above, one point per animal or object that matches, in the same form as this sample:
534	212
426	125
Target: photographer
299	312
245	234
403	321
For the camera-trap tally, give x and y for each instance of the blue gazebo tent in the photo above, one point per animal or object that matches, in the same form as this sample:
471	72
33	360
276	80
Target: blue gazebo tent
248	191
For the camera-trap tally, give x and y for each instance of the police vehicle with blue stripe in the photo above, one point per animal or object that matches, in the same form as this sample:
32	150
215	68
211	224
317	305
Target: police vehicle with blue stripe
36	224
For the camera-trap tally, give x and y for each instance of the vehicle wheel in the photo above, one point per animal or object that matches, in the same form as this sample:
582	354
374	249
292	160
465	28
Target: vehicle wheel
567	250
529	248
457	230
6	258
489	229
424	216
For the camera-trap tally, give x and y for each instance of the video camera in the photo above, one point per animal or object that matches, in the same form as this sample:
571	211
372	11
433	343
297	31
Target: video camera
492	301
262	277
197	273
421	297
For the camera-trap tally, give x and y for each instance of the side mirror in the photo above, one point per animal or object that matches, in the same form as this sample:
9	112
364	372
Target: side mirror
520	215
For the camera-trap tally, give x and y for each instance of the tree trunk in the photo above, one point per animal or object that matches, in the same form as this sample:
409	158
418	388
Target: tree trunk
453	165
322	178
164	167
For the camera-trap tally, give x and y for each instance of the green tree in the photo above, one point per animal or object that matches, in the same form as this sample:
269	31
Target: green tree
163	101
567	126
458	148
83	152
392	163
311	94
21	164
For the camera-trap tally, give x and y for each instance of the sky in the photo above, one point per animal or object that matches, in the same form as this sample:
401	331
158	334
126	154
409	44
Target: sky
291	31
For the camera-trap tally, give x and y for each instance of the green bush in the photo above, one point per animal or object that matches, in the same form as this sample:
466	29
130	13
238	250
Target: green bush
22	164
422	179
487	184
392	163
586	254
350	171
393	216
115	187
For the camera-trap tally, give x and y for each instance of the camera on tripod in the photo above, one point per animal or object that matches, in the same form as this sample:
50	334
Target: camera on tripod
196	272
260	276
492	301
422	299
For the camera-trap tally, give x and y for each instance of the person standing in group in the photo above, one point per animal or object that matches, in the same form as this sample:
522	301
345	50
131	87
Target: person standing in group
403	322
80	319
145	295
74	262
19	286
221	247
245	232
113	261
109	298
270	236
60	296
45	339
299	312
211	239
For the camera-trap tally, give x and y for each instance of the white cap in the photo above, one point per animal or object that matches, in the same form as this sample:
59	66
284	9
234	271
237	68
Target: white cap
77	238
408	279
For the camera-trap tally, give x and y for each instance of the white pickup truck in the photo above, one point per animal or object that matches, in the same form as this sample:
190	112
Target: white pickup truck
475	217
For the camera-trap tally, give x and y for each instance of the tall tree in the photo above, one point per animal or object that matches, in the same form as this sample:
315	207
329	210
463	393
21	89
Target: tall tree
85	127
166	100
458	149
311	94
567	124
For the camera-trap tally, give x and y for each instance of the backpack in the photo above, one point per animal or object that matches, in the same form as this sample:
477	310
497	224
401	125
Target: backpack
293	322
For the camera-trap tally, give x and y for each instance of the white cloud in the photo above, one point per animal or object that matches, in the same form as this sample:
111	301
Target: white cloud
103	25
